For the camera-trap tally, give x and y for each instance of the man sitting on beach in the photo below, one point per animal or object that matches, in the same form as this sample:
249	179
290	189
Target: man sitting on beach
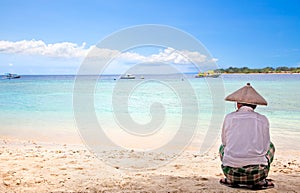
246	151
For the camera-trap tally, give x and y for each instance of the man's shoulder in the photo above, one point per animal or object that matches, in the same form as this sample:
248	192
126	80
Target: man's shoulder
236	114
230	115
261	116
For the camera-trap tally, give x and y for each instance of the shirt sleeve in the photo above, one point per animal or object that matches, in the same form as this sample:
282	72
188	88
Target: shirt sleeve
266	135
223	135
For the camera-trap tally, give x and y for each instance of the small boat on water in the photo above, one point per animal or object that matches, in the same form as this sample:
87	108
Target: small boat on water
11	76
209	74
127	76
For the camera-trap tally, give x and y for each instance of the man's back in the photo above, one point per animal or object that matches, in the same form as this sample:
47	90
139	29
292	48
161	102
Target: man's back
246	138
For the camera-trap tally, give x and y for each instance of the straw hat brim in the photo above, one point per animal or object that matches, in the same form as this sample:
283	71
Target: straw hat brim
248	95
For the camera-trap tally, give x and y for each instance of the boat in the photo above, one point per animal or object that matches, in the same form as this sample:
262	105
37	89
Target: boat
11	76
127	76
209	74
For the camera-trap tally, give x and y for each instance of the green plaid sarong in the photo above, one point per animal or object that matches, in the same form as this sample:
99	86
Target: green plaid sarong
251	174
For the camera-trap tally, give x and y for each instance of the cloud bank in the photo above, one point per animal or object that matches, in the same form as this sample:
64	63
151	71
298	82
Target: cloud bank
39	47
73	50
167	55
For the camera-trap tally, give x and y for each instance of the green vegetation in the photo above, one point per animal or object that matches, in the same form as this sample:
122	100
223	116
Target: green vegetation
246	70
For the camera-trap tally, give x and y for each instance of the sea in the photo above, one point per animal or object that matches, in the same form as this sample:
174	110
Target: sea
158	109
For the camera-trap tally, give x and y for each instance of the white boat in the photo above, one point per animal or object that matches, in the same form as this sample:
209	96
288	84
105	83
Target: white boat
127	76
208	75
11	76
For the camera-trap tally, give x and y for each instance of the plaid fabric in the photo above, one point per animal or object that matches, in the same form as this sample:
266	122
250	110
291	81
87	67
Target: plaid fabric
250	174
270	154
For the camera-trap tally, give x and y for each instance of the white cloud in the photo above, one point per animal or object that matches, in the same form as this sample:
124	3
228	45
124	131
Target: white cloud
168	55
73	50
185	60
38	47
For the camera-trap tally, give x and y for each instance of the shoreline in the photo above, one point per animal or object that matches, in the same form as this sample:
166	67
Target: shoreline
263	73
192	73
29	166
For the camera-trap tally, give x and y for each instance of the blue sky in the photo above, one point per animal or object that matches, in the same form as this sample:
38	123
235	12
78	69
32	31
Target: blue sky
253	33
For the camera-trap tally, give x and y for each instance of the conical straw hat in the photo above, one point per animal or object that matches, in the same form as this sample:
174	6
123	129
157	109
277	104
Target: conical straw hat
248	95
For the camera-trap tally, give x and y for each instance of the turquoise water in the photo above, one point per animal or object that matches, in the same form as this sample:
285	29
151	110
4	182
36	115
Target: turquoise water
41	107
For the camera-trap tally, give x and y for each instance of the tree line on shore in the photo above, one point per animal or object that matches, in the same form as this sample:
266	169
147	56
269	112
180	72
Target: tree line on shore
246	70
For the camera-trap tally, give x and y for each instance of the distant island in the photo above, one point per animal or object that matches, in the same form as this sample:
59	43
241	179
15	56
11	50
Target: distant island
246	70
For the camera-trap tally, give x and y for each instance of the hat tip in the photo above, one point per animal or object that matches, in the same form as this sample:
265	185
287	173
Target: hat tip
248	83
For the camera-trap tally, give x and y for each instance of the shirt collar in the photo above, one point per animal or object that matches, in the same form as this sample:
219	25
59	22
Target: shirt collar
245	109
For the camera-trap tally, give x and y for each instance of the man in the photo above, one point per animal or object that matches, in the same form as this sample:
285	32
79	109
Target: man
246	151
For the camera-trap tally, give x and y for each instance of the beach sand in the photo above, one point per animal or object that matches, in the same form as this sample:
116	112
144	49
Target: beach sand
28	166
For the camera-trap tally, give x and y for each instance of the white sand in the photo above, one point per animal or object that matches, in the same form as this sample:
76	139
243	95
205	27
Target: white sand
26	166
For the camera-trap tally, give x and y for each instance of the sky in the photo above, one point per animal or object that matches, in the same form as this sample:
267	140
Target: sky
54	36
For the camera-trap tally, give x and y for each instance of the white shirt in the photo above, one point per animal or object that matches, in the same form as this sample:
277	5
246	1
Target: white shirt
246	137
